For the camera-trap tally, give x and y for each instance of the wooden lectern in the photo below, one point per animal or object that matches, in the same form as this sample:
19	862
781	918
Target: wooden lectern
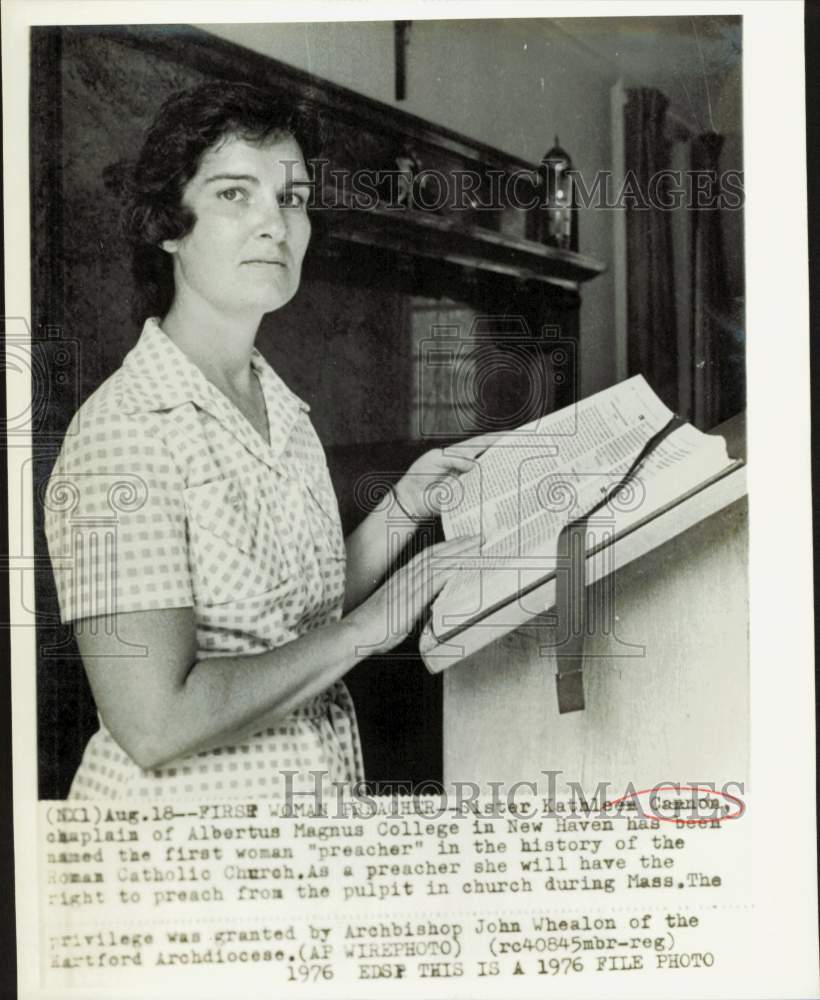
665	675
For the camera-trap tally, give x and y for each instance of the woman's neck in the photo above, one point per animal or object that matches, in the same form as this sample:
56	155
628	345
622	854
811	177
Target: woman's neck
219	346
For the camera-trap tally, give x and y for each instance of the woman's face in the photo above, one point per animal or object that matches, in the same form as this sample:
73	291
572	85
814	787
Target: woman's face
244	253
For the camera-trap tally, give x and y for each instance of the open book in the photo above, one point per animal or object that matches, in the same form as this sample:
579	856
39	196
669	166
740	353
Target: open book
620	459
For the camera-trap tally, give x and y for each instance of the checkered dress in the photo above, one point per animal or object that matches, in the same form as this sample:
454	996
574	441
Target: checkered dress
165	496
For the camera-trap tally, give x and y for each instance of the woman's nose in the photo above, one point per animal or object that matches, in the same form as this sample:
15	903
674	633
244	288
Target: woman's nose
272	224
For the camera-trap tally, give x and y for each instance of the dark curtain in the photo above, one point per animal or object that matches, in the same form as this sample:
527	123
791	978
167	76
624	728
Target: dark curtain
652	321
713	378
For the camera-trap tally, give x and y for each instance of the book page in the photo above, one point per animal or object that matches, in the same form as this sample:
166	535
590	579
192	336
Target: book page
586	439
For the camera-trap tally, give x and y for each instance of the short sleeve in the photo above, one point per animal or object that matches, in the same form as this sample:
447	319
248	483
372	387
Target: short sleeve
115	521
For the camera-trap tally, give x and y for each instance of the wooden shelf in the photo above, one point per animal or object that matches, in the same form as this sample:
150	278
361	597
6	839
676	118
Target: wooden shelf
418	234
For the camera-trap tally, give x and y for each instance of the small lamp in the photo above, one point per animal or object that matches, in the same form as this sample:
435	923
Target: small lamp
560	212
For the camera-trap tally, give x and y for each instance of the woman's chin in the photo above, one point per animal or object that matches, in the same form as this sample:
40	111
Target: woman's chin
275	302
259	304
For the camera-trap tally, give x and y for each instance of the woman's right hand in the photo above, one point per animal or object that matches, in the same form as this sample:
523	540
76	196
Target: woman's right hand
385	618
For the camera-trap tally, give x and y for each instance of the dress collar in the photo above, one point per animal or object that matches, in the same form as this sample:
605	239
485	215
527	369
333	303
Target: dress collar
161	377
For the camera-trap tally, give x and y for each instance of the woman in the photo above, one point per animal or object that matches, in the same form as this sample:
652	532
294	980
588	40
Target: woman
217	626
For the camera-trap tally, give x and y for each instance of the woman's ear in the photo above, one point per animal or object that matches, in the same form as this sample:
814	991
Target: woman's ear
170	246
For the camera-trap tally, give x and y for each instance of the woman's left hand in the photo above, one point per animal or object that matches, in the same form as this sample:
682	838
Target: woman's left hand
423	490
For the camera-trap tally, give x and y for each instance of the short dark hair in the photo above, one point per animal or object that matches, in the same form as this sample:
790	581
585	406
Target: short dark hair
187	125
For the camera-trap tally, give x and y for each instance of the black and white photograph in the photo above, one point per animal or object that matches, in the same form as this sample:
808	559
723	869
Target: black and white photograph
431	290
389	438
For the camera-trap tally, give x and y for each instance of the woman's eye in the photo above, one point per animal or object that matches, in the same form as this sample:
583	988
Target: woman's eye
233	194
292	199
